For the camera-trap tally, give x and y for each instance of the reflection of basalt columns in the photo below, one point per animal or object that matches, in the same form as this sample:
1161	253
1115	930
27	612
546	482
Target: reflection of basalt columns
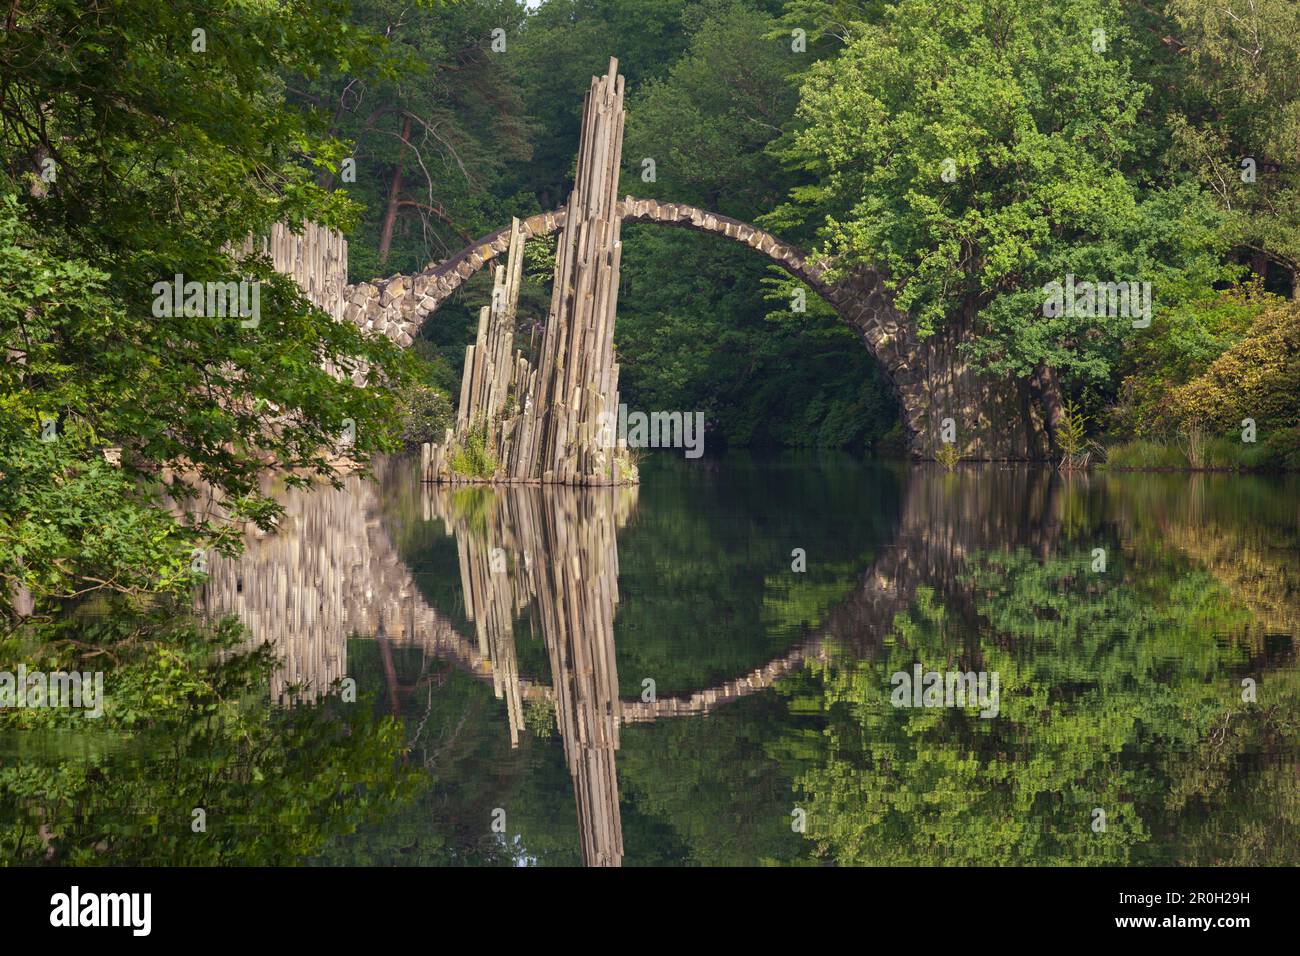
577	589
555	550
296	587
331	572
328	573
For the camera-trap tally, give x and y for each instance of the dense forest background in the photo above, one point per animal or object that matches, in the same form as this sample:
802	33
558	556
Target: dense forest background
974	152
1097	138
469	136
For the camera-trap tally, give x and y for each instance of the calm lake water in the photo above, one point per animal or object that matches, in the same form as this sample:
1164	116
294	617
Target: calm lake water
733	663
705	669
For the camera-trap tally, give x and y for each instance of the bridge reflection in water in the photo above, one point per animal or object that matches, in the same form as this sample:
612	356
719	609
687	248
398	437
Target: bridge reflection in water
332	572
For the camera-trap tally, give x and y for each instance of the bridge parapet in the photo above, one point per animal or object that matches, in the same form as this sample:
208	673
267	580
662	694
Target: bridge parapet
398	305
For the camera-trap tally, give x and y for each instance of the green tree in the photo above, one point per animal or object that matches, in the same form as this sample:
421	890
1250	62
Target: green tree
763	374
1240	100
564	43
978	151
436	138
139	142
708	122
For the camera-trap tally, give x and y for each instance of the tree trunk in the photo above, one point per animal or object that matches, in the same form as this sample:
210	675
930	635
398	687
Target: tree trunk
1259	265
1049	397
394	197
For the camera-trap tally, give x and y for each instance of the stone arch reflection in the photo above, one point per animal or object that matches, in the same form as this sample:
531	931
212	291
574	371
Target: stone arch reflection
549	555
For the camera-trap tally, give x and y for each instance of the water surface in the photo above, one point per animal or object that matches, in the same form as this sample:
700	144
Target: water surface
701	670
706	669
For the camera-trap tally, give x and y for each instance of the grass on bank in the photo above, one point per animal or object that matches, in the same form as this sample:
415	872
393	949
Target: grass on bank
1212	454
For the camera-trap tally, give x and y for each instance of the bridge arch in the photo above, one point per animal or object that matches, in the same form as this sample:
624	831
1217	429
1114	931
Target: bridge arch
930	379
401	303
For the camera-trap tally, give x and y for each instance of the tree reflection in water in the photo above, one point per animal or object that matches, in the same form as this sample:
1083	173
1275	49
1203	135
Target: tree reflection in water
1120	689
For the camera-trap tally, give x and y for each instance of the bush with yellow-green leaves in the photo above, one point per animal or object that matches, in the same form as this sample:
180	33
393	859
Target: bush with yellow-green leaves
1257	378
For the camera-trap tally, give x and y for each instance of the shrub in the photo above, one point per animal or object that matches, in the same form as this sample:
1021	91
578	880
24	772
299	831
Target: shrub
1177	350
1257	378
1281	449
472	458
1071	437
426	416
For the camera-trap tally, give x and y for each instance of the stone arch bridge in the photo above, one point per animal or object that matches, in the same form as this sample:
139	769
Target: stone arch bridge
996	418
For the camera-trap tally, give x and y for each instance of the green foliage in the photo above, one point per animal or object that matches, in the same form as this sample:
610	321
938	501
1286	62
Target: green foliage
763	375
539	717
187	724
948	455
1144	454
1202	418
472	458
708	122
1238	97
830	24
426	416
1044	139
435	134
74	523
1072	436
902	786
161	158
1257	378
1280	449
763	378
564	44
1193	450
1176	350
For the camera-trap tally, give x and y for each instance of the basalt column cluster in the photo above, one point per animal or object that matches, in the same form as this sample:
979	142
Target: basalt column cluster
553	423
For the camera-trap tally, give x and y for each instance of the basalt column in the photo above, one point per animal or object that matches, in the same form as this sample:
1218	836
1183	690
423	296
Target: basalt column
494	387
576	393
552	422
